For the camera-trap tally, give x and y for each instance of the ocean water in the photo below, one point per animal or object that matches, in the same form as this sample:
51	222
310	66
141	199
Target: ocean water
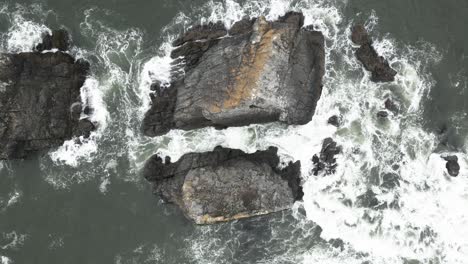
89	204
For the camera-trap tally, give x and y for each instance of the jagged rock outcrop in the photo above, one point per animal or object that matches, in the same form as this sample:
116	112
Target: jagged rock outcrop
40	104
256	72
366	54
326	160
225	184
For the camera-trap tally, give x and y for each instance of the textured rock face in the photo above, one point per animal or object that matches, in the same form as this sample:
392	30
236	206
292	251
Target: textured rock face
225	184
366	54
257	72
40	101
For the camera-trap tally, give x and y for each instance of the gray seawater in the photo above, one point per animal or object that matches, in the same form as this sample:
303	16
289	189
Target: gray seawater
89	204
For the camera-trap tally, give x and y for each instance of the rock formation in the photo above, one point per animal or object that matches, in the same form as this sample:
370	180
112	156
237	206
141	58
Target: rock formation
225	184
256	72
366	54
40	104
326	161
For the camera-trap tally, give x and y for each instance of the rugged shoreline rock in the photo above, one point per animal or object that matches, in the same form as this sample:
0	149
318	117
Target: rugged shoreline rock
225	184
40	104
257	72
366	54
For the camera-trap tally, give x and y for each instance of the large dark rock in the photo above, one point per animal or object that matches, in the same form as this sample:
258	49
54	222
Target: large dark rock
257	72
326	161
40	100
366	54
225	184
453	168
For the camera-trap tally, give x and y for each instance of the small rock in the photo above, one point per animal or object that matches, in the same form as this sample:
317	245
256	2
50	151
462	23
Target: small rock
366	54
84	128
337	243
391	106
75	110
327	161
390	181
58	40
359	35
382	114
453	168
367	200
334	121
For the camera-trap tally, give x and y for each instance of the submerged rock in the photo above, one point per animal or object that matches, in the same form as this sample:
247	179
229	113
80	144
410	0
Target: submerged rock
40	100
390	181
334	121
367	199
326	161
225	184
391	106
382	114
453	168
258	72
366	54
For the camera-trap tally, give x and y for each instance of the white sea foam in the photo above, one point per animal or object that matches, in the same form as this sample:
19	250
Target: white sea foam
14	239
5	260
74	151
15	197
23	34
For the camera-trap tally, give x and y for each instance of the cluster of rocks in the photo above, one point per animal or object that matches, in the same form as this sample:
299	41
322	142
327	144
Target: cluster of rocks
366	54
40	103
258	71
326	161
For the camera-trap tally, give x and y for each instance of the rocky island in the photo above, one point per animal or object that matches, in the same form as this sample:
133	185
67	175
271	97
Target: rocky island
226	184
257	71
40	104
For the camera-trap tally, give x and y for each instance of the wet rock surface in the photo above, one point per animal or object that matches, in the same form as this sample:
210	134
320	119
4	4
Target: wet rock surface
366	54
225	184
453	168
40	99
257	72
326	160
